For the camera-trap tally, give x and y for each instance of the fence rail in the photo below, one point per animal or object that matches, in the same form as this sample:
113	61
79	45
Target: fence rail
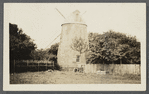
109	68
20	64
88	68
114	68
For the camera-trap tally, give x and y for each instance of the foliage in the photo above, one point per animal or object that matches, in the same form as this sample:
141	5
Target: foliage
113	47
79	45
21	45
53	55
40	54
54	49
47	54
109	47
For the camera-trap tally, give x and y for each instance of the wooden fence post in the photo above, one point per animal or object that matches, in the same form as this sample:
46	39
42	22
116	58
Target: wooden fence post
14	67
135	69
103	66
27	65
53	65
46	65
38	66
89	68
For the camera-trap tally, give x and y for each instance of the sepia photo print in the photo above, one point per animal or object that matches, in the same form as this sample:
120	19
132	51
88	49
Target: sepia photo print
74	46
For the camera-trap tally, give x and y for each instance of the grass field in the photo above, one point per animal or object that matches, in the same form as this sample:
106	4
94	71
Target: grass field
63	77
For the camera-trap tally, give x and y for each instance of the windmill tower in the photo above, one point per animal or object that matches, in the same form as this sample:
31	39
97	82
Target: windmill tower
74	26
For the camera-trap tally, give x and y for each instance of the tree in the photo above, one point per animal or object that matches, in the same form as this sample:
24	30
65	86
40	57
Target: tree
40	54
53	55
80	45
54	49
113	47
48	54
21	45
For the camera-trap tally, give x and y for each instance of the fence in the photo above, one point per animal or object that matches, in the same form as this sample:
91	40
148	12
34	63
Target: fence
31	65
114	68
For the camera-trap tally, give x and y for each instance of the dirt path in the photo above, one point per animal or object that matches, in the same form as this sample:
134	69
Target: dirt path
60	77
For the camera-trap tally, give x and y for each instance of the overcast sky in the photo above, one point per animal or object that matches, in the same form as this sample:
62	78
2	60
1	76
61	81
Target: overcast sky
42	22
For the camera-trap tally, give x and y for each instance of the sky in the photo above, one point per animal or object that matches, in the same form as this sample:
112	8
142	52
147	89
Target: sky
42	22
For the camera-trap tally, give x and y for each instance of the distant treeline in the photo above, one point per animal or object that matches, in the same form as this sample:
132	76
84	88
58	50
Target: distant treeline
109	47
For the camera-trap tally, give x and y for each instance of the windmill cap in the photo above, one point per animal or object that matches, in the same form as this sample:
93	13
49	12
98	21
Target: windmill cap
76	12
74	17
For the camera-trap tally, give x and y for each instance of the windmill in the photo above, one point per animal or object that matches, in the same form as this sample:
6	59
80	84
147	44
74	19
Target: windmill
74	26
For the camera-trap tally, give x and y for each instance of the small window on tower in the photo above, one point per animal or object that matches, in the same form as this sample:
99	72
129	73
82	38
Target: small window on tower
78	58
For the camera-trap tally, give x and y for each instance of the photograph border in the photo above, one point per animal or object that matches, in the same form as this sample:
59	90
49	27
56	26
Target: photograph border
62	89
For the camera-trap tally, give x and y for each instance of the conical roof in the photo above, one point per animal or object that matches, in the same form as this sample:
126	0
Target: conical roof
74	17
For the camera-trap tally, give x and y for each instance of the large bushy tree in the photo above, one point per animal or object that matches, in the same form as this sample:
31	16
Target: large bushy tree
113	47
21	45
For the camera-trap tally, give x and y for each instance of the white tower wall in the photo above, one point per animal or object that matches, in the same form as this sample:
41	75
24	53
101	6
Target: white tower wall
74	28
